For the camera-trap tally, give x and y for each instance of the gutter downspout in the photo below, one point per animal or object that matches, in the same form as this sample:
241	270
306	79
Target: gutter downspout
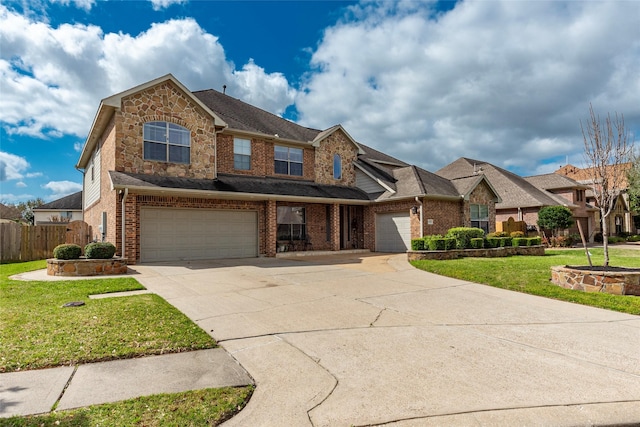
421	217
123	228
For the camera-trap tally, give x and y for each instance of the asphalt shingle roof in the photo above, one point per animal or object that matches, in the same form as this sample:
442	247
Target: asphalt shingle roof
72	202
245	117
240	184
514	190
553	181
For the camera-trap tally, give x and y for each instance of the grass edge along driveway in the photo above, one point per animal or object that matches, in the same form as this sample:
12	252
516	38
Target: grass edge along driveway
37	332
532	275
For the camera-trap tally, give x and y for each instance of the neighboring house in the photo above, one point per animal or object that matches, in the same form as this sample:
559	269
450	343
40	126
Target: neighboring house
179	175
61	211
575	195
10	212
621	218
521	198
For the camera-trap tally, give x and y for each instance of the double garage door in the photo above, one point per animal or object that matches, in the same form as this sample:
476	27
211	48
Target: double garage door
393	232
190	234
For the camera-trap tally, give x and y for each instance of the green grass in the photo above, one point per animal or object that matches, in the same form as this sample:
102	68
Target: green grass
532	274
37	332
208	407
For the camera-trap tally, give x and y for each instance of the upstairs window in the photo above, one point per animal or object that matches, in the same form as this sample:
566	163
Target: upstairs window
480	217
337	166
166	142
241	154
288	160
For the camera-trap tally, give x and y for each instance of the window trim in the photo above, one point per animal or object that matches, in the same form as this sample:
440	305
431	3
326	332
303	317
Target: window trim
238	163
288	161
479	221
167	141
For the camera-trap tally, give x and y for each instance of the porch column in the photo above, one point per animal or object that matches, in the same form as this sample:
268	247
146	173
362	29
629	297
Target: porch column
271	228
335	227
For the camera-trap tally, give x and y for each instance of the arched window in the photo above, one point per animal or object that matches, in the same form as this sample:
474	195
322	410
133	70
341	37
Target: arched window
337	166
166	142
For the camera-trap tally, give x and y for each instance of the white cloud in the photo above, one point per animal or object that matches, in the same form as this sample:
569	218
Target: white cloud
501	81
21	184
10	198
71	67
80	4
163	4
61	188
12	166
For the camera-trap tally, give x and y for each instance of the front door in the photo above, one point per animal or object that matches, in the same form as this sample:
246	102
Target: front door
351	219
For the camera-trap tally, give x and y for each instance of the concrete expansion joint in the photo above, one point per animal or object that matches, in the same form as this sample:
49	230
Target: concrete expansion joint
64	389
275	339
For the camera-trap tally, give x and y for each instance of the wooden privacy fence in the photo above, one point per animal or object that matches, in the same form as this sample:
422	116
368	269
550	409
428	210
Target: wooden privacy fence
31	242
511	225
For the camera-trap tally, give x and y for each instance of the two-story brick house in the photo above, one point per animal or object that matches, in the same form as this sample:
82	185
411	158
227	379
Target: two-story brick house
171	174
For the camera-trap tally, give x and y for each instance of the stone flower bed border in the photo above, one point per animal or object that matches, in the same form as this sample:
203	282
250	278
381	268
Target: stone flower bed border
537	250
86	267
614	280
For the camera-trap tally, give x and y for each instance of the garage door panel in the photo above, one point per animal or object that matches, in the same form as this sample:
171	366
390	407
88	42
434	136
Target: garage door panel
189	234
393	232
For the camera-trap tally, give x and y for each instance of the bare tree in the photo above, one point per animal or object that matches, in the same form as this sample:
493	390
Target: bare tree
606	149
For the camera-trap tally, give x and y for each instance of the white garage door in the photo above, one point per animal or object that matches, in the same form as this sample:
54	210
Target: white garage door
393	232
189	234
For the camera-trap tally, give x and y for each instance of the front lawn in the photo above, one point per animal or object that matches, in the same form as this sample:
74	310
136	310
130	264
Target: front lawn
37	332
532	274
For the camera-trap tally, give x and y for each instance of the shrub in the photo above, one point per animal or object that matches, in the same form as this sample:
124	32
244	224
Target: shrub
519	241
615	239
634	238
492	242
99	250
437	244
505	241
624	234
534	241
477	243
67	251
517	234
463	235
450	243
498	234
555	218
417	244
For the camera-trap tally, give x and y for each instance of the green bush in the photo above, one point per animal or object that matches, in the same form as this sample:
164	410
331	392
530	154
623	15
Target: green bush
505	241
498	234
516	234
534	241
437	244
634	238
615	239
450	243
67	251
519	241
477	243
99	250
492	242
417	244
463	235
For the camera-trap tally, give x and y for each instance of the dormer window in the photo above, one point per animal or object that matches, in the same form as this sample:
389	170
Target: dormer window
337	166
166	142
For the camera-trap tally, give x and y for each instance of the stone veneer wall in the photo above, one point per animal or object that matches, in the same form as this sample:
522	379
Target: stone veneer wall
164	102
481	195
336	143
611	282
86	267
478	253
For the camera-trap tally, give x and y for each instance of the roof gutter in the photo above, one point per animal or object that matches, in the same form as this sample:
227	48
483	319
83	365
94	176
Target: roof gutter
267	136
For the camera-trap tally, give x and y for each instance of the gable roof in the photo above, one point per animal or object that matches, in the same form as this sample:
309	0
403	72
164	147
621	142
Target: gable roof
72	202
554	181
513	190
244	117
326	133
109	105
372	155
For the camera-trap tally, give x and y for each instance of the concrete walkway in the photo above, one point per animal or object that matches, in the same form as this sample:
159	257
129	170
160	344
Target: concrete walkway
36	392
369	340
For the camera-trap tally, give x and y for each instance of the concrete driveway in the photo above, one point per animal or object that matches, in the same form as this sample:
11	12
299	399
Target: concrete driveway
369	340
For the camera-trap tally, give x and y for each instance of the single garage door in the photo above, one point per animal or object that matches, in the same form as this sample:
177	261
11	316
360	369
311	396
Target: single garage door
393	232
189	234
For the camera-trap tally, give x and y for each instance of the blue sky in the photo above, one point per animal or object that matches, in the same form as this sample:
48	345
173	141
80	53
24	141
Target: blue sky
500	81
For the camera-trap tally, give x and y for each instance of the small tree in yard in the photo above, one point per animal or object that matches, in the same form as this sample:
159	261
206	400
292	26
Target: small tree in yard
606	149
555	218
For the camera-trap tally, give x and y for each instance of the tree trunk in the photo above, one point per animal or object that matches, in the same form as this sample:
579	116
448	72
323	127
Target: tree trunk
605	237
